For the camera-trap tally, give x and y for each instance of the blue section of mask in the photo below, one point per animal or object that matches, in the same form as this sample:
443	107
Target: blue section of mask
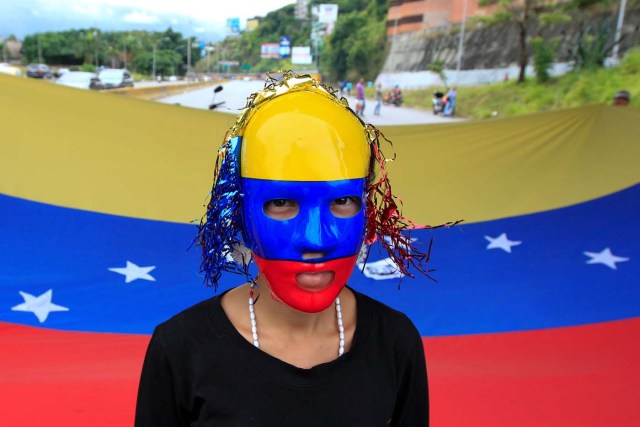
314	229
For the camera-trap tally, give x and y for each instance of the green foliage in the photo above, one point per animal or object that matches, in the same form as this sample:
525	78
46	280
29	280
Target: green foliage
592	47
245	48
87	67
92	46
354	49
554	17
630	64
438	67
543	57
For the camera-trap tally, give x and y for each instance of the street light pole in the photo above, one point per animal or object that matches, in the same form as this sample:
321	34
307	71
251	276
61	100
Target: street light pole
188	56
153	72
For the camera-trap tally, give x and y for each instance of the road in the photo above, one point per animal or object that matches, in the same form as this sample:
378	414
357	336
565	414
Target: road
235	93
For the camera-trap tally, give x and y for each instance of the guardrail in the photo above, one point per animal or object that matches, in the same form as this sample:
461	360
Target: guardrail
162	90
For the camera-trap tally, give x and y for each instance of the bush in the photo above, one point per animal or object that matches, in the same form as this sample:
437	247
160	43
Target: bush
630	65
544	53
87	67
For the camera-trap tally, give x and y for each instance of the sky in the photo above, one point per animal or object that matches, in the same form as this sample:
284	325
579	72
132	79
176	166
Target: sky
205	20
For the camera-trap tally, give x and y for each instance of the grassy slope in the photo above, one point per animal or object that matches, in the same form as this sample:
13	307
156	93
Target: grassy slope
572	90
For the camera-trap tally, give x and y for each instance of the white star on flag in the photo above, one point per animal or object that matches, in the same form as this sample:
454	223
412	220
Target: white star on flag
501	242
41	305
134	272
605	257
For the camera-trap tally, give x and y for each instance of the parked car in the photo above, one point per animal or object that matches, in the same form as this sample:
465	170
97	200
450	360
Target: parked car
39	71
113	78
80	80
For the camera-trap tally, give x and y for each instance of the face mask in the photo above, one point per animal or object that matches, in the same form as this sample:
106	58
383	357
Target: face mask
304	162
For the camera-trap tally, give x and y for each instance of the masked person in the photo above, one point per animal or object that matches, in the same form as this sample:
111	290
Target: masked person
300	188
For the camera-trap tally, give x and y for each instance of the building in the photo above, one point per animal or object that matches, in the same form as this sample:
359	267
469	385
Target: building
407	16
252	23
302	10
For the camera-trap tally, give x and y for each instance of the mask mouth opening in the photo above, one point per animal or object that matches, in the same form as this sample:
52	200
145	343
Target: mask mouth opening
315	281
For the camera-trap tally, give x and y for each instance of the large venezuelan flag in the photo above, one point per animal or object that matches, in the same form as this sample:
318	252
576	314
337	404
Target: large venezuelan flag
534	320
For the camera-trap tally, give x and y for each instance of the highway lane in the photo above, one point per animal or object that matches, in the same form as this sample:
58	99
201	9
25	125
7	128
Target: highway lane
235	93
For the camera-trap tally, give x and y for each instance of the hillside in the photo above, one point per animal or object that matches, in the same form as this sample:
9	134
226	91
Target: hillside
571	90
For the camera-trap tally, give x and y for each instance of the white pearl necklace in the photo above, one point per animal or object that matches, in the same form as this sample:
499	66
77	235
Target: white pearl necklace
254	327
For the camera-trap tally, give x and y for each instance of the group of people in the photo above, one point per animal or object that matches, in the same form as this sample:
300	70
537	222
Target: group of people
393	97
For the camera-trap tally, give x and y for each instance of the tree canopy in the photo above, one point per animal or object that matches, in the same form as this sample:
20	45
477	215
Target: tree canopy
93	47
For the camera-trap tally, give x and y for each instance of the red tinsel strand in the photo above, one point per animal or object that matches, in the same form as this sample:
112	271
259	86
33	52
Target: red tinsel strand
386	224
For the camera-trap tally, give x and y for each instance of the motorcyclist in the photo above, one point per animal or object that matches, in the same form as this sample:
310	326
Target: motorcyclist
394	97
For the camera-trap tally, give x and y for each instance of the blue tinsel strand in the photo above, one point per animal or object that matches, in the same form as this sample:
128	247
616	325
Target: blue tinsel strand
219	232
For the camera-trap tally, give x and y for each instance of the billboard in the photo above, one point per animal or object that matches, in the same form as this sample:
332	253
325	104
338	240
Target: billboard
301	55
270	50
233	26
327	13
323	17
285	47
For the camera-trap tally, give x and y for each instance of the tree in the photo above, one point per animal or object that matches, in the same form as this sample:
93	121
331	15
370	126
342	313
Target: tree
523	13
517	12
356	46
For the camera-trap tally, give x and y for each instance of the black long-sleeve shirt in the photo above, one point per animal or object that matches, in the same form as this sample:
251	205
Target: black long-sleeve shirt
199	371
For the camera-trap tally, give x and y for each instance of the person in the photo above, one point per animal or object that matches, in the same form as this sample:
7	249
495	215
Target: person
349	87
450	106
360	97
622	98
376	109
300	189
395	97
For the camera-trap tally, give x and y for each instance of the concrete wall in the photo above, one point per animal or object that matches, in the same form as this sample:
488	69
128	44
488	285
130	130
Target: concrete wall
490	48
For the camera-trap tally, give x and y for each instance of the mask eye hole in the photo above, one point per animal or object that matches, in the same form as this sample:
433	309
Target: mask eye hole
281	209
346	207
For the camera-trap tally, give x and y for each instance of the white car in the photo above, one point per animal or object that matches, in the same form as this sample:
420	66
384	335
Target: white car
80	80
113	78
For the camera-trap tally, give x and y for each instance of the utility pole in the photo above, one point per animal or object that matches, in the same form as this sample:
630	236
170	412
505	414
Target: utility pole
188	56
153	72
95	43
461	41
616	40
39	50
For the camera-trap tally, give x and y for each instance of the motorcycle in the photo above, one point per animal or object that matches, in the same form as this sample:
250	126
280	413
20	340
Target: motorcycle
438	102
215	104
394	97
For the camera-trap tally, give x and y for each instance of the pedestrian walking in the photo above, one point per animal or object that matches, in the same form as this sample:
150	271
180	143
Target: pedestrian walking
360	104
376	109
